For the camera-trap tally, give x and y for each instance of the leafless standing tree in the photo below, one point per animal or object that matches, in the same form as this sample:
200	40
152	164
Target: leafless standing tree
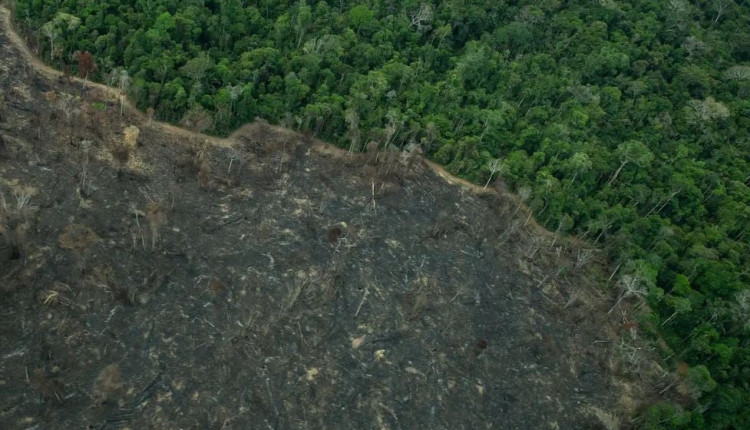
52	34
392	128
722	6
86	66
631	286
352	120
494	166
123	83
421	19
523	195
430	135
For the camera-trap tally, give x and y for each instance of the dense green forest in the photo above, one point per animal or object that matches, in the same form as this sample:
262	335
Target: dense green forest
625	122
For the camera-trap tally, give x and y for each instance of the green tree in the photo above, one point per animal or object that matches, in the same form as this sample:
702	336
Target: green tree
634	152
360	17
56	28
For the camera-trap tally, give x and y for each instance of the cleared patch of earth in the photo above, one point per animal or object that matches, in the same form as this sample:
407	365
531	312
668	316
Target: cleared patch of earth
271	281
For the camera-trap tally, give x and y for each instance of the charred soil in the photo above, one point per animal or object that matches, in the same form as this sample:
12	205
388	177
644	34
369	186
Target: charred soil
156	279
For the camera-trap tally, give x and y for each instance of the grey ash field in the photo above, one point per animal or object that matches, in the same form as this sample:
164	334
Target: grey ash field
278	284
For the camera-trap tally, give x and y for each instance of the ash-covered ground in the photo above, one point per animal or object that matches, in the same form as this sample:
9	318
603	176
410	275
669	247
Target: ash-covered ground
151	279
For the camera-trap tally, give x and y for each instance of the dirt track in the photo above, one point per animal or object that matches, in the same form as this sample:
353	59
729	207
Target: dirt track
321	146
114	94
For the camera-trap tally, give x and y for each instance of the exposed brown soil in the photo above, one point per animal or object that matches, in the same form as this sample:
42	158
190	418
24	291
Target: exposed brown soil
268	280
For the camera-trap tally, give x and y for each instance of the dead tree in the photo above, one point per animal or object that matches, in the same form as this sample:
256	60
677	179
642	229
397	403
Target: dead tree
86	66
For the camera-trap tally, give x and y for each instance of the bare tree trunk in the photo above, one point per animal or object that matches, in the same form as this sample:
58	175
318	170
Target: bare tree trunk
721	10
488	182
617	172
83	87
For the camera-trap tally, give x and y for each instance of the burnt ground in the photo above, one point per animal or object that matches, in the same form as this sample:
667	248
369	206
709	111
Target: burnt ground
278	284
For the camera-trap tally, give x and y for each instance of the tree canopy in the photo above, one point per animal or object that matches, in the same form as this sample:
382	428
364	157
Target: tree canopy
624	122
